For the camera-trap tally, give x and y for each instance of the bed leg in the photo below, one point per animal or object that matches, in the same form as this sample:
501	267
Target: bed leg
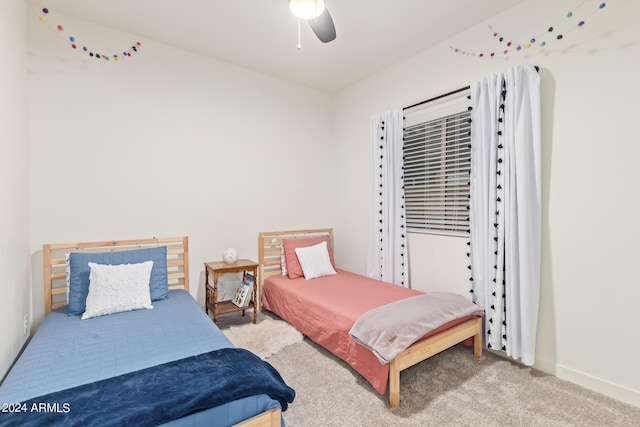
394	384
477	342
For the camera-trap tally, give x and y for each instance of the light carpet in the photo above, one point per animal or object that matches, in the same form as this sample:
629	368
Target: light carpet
266	338
450	389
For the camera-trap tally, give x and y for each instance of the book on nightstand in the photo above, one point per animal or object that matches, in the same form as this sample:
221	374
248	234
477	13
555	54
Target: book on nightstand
249	280
242	295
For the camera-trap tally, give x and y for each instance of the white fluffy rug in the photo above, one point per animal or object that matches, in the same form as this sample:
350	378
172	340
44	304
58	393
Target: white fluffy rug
265	338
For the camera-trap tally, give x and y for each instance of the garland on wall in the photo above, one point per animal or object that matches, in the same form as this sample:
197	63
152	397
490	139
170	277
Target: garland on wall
552	33
74	42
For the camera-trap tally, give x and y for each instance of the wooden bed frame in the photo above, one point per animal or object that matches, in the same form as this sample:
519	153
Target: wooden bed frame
53	256
269	251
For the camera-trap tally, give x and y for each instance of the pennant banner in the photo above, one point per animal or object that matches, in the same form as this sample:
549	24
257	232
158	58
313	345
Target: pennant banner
553	33
75	43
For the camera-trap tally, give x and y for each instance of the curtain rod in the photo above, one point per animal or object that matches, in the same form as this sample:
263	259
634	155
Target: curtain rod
453	92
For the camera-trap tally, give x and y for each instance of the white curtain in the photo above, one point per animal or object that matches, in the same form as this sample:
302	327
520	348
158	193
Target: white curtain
387	259
505	208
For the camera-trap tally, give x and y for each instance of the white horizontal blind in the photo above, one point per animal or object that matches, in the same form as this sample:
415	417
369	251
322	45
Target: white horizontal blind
437	162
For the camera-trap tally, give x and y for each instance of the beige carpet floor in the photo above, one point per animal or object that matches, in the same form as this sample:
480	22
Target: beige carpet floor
450	389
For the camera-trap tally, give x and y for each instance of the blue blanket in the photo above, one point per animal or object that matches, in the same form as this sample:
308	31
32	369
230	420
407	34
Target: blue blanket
157	395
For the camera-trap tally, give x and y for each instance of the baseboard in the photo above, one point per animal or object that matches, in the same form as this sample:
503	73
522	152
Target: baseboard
615	391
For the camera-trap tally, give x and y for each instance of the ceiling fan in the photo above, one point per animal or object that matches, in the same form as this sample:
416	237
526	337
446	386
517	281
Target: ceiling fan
316	13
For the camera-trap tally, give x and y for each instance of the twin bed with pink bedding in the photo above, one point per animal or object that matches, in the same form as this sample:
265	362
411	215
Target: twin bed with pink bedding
326	308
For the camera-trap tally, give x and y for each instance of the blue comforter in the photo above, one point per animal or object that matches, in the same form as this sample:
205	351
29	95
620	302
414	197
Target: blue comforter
156	395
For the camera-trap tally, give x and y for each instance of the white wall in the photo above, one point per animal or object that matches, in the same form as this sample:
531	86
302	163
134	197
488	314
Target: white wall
168	143
14	225
590	286
236	152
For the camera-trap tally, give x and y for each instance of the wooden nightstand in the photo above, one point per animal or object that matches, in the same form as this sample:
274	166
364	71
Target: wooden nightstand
218	268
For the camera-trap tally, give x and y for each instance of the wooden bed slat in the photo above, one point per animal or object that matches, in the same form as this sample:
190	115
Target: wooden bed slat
158	241
58	305
272	263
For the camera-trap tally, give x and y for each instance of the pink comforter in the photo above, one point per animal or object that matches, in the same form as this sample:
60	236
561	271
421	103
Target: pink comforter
325	309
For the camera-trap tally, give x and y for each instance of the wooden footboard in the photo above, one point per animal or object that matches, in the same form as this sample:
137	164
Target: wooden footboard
426	348
270	418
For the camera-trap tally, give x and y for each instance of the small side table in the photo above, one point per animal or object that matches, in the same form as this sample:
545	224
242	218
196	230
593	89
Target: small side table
211	298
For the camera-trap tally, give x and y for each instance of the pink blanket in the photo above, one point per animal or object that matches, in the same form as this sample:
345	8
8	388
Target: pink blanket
325	309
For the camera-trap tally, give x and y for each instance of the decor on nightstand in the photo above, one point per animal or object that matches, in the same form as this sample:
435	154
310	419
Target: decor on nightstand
230	256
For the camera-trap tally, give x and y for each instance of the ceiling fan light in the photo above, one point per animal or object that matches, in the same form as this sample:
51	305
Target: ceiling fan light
306	9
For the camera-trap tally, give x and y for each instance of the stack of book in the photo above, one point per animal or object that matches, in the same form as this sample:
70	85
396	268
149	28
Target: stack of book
244	291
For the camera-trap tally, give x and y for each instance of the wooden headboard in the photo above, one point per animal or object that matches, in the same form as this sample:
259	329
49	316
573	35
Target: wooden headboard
270	244
53	258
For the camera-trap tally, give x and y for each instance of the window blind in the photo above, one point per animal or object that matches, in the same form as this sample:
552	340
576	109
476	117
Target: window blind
437	161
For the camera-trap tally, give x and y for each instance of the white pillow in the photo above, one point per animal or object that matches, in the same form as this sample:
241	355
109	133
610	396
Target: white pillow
116	288
315	261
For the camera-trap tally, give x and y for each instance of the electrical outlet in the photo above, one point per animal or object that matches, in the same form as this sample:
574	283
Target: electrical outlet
25	330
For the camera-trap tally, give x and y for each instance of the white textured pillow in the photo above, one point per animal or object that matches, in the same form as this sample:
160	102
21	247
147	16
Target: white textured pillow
116	288
315	261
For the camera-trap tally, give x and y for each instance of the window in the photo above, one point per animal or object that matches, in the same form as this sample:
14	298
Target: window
437	162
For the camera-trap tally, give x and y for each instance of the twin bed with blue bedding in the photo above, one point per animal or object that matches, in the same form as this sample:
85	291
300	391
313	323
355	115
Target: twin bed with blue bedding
167	365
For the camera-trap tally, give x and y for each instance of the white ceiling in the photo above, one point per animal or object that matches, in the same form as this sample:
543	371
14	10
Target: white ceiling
262	34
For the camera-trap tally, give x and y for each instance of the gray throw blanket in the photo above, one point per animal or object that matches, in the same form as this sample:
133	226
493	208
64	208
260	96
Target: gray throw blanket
390	329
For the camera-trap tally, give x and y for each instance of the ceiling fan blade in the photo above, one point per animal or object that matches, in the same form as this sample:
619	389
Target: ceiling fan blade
323	27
